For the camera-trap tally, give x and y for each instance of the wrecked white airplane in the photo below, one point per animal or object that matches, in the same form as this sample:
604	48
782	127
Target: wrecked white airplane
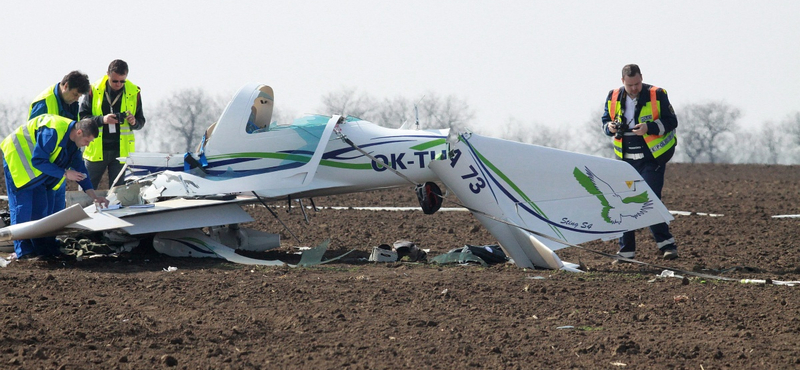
245	157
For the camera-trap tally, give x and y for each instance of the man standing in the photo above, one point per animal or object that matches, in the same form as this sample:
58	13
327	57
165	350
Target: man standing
38	157
60	99
643	124
115	105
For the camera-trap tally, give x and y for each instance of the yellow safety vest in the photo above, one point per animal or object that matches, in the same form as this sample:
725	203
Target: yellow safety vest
658	144
49	98
18	148
127	141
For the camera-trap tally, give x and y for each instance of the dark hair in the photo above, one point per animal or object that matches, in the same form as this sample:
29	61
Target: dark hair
118	66
77	80
87	127
631	70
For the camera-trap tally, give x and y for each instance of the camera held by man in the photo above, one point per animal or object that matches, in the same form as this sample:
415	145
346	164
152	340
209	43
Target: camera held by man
621	127
121	116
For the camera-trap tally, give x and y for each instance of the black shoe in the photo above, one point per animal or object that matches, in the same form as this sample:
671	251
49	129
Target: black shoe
670	253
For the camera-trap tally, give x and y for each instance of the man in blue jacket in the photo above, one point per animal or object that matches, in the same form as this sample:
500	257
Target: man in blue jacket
61	99
38	157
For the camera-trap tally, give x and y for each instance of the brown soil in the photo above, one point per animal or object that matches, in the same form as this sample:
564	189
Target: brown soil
128	312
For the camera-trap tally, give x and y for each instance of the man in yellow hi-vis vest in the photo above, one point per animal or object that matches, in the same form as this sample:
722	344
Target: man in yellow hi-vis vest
115	105
642	122
38	157
61	99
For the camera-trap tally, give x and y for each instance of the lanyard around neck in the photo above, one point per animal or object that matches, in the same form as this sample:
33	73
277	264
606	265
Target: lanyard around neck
110	103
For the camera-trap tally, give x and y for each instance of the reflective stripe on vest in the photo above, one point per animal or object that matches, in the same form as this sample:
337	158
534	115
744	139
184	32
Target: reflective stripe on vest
19	145
127	141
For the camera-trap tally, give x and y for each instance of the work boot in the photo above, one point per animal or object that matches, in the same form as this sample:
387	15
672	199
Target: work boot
670	252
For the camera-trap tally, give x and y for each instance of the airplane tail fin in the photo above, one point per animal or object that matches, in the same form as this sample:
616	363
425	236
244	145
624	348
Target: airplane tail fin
567	196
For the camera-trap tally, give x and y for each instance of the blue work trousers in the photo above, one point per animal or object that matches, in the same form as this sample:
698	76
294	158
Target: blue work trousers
29	204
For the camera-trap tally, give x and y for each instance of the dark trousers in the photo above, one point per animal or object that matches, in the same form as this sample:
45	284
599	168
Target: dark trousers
96	169
653	175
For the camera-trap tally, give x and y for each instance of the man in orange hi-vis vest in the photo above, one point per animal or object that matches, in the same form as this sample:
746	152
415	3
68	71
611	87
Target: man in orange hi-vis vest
642	122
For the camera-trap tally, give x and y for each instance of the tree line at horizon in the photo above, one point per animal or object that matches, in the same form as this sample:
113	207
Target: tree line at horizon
708	132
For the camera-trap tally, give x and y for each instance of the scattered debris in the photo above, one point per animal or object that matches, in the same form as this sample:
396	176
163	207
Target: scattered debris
400	250
485	255
171	269
681	298
405	248
314	256
383	253
669	273
83	247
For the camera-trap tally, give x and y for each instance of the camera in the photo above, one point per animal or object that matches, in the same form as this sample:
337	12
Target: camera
121	116
621	128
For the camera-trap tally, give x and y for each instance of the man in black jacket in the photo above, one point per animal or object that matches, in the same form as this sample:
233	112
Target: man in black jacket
115	105
642	122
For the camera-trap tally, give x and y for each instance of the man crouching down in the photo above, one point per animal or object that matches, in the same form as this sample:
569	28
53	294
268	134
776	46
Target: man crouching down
38	158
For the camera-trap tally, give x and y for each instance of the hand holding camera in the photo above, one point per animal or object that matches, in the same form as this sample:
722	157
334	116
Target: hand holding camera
621	127
121	116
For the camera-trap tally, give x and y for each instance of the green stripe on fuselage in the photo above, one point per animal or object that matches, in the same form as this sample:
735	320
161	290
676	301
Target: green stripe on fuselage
430	144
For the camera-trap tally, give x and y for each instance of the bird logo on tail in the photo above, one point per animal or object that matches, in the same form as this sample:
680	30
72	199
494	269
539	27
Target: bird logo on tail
614	206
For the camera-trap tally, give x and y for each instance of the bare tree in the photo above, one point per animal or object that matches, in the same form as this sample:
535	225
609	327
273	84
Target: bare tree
434	111
448	111
395	112
791	125
538	134
706	130
593	140
348	102
12	115
766	147
179	122
770	144
515	130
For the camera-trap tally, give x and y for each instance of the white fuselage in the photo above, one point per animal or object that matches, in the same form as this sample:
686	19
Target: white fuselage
253	160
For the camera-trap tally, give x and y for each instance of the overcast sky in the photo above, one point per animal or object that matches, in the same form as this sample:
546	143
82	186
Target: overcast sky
548	62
